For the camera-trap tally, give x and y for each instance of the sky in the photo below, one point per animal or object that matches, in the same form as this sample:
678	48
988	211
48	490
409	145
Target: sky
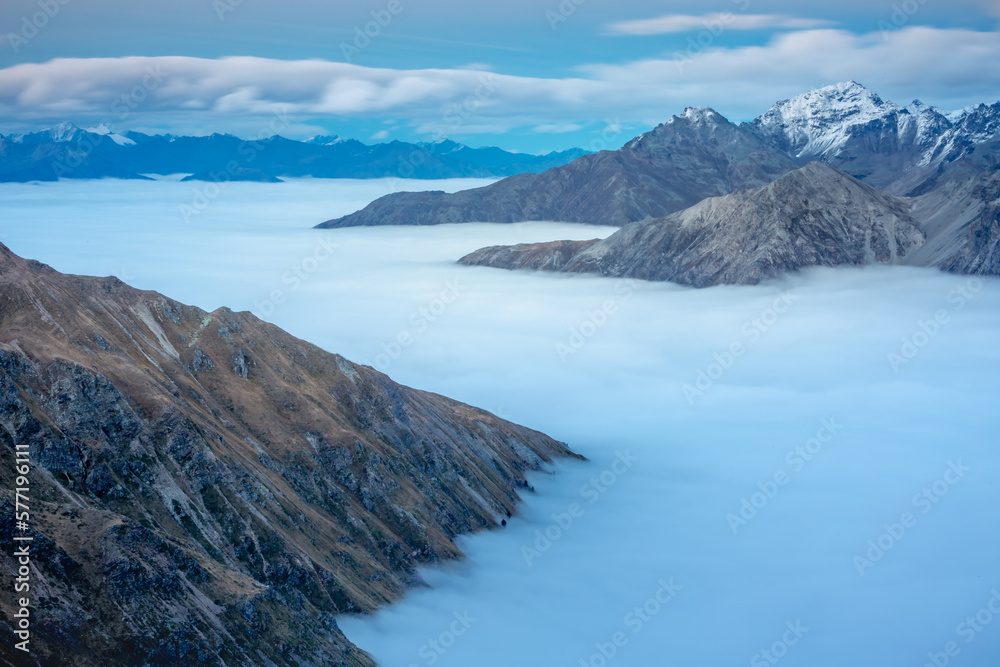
526	75
776	495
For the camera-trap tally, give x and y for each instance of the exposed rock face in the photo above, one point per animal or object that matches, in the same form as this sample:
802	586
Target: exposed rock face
692	156
814	216
207	489
962	222
899	149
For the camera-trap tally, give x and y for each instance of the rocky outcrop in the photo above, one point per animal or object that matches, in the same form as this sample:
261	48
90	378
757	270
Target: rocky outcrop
207	489
699	154
962	221
692	156
902	150
814	216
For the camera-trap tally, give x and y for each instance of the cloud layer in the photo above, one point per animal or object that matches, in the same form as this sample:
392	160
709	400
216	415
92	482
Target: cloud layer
716	21
621	388
946	67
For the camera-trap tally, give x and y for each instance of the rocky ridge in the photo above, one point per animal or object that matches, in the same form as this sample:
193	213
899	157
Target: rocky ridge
694	155
207	489
814	216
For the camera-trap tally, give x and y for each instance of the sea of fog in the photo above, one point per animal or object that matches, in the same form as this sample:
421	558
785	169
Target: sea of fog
803	472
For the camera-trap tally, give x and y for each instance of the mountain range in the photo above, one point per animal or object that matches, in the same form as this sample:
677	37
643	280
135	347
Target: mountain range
206	489
699	154
835	176
67	151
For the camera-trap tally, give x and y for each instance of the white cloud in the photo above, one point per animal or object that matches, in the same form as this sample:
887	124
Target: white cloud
715	22
621	390
558	128
380	135
946	67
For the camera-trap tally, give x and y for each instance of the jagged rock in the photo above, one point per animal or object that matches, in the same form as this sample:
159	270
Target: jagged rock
189	517
814	216
692	156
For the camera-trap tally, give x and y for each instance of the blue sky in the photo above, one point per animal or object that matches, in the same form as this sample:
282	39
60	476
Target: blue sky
530	75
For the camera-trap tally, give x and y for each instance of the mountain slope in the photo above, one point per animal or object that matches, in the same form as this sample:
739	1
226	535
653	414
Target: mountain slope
899	149
962	222
696	155
814	216
207	489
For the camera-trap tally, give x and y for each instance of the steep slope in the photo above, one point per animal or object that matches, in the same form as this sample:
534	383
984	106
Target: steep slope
814	216
692	156
962	221
207	489
901	150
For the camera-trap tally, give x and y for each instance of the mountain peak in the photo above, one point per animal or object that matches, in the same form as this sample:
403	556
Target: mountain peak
820	122
324	140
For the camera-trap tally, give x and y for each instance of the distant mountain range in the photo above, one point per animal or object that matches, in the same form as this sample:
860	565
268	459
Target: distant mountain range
206	489
67	151
698	154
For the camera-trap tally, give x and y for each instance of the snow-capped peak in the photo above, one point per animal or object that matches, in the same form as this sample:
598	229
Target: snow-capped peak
62	132
104	130
818	123
324	140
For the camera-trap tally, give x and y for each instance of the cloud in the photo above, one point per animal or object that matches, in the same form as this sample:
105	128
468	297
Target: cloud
947	67
558	128
716	22
621	390
380	135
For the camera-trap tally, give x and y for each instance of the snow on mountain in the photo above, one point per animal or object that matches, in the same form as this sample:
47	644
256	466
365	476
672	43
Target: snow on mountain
821	122
324	140
852	128
104	130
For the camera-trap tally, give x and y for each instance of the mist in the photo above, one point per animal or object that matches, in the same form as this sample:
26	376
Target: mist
802	471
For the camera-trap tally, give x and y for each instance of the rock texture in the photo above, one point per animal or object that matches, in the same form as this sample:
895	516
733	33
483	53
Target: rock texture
692	156
209	490
962	222
900	149
814	216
